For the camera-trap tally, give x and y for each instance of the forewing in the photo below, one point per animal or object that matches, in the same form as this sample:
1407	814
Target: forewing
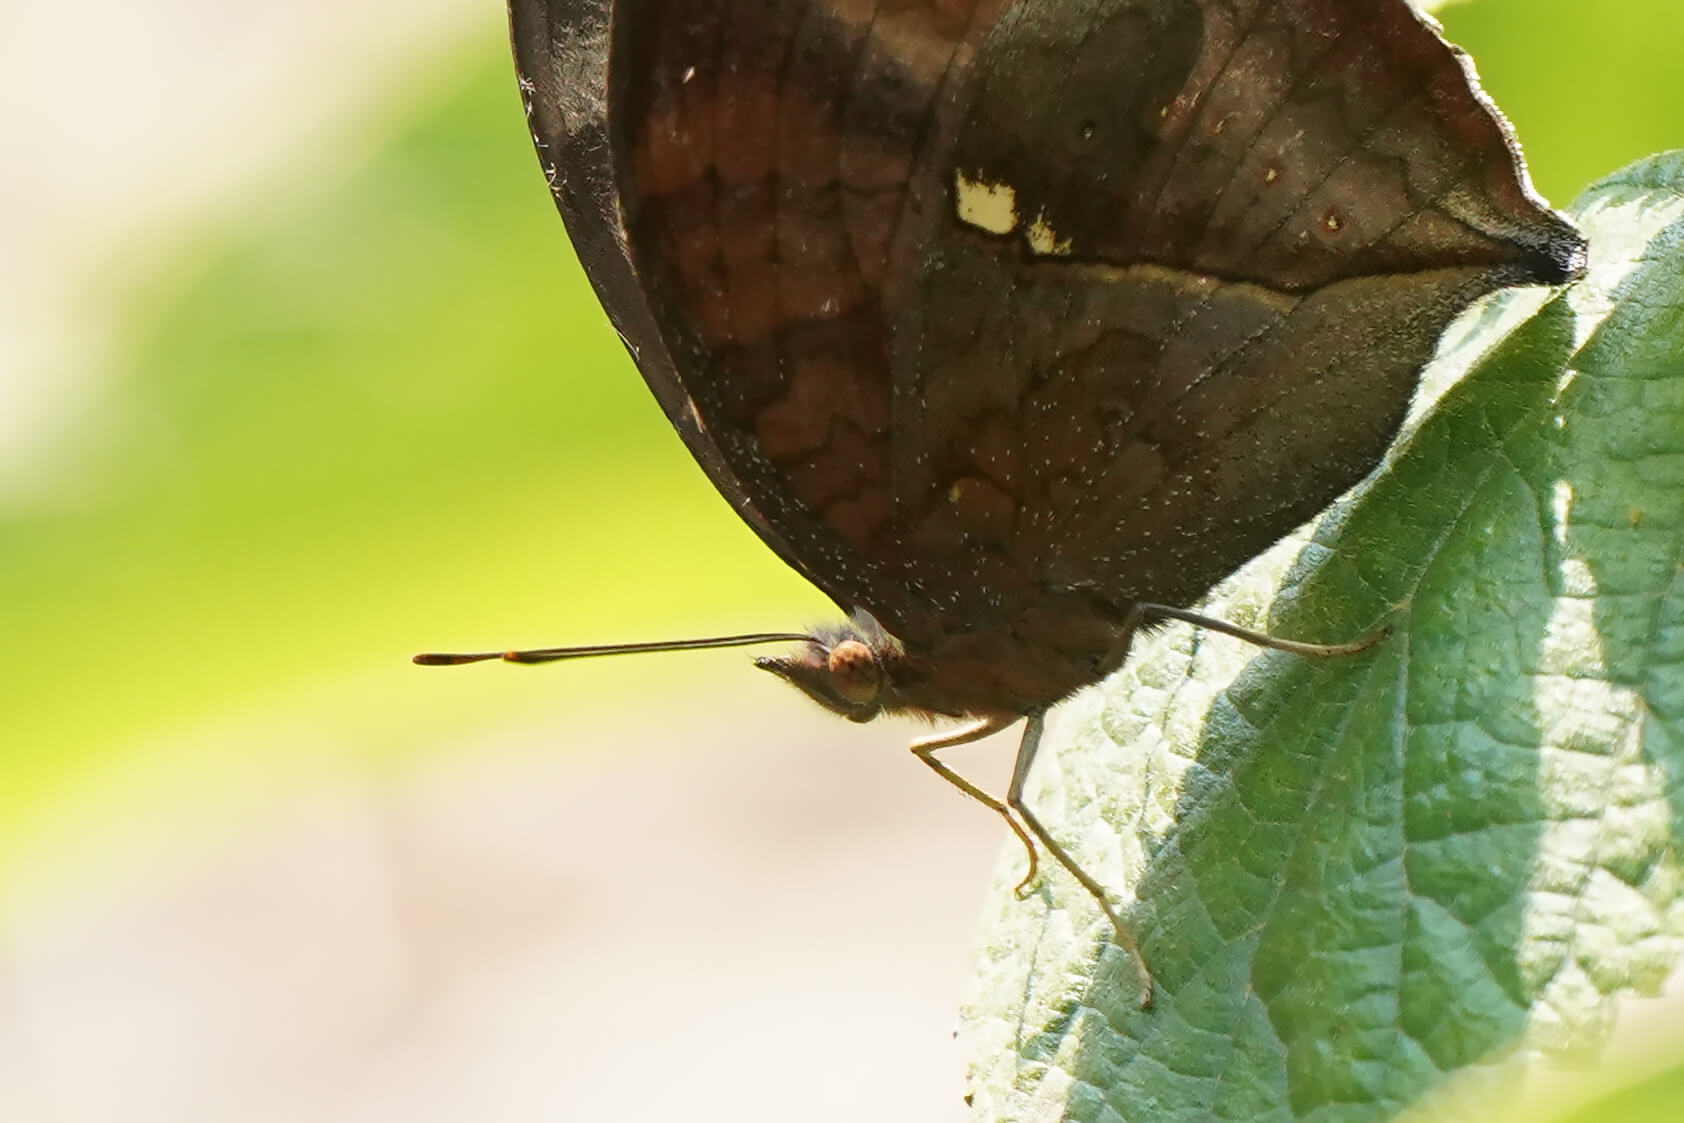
563	52
768	153
1186	264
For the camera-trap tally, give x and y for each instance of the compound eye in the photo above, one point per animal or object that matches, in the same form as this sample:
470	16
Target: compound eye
855	672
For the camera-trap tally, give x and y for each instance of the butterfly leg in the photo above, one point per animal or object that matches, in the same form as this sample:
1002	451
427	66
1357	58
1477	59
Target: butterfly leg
925	749
1143	612
1014	799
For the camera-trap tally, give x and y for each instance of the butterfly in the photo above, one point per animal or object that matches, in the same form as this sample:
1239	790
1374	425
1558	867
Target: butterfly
1015	325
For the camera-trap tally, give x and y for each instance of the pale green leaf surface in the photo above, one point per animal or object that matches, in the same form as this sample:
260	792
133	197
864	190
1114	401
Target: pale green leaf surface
1379	885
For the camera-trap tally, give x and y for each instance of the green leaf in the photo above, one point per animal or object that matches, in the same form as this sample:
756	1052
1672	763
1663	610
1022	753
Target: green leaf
1383	884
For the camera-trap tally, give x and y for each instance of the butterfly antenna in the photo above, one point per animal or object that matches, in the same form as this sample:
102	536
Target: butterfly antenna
554	654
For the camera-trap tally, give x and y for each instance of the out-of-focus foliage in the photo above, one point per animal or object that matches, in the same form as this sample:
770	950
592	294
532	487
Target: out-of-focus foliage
1588	87
389	420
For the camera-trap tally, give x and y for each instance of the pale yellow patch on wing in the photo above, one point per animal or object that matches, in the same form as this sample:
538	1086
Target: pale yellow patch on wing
986	206
1043	239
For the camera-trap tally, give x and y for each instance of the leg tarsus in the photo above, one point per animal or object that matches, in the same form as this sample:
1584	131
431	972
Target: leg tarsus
1021	889
1122	935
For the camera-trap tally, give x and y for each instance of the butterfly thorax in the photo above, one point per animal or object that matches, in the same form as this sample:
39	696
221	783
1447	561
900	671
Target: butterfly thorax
1045	653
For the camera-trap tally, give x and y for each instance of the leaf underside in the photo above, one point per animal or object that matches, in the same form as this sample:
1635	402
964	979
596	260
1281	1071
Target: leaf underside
1379	885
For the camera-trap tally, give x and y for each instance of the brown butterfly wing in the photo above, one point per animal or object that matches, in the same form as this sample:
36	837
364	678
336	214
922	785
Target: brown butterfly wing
562	53
767	152
971	305
1205	314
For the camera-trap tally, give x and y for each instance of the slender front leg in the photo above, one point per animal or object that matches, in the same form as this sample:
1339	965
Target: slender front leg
925	748
1014	799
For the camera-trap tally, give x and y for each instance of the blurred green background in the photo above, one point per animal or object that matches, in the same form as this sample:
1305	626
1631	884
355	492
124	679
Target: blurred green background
384	418
366	405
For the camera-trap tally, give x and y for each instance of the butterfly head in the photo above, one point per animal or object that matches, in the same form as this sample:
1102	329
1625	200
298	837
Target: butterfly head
844	669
